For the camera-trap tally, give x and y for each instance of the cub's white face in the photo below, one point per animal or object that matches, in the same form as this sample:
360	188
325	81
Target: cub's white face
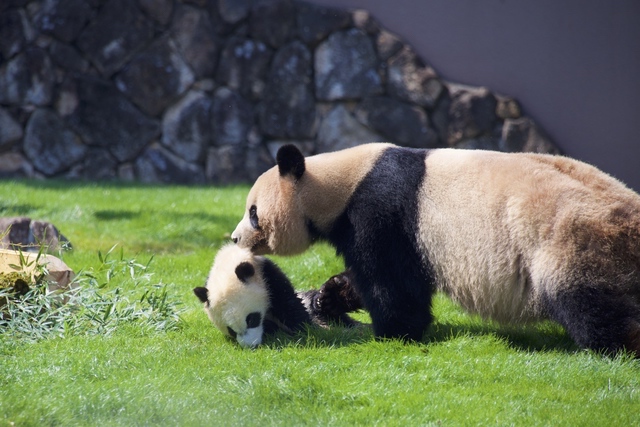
273	221
235	298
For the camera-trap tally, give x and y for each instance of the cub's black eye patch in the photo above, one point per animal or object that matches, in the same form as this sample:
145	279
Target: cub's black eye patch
253	217
231	332
253	320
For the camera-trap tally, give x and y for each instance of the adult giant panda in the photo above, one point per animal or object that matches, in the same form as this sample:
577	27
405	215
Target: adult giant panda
511	236
248	296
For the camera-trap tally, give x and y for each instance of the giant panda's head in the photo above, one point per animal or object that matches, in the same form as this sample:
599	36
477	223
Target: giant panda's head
247	296
299	199
235	297
274	221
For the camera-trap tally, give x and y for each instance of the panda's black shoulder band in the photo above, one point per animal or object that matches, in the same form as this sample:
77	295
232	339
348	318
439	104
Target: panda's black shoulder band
290	161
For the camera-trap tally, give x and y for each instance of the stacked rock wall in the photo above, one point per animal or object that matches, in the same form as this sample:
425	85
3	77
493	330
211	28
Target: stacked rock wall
198	91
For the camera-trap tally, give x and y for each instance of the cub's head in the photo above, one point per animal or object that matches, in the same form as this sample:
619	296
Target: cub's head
235	297
274	221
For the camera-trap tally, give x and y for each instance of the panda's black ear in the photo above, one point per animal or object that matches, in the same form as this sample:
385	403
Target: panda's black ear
245	270
290	161
201	293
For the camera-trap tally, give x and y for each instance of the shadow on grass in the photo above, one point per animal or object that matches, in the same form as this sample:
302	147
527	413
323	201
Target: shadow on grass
16	210
540	337
535	337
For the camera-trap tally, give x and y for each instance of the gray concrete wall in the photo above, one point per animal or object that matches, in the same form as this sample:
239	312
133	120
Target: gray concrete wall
573	64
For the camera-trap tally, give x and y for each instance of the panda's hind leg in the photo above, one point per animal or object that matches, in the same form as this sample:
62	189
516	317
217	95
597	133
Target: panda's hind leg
598	317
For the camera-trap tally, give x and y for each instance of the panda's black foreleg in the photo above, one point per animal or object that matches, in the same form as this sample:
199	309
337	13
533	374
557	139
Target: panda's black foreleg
338	295
599	318
335	298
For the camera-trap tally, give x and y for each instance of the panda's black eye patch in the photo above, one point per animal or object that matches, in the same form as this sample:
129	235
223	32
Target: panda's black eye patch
253	217
253	320
231	332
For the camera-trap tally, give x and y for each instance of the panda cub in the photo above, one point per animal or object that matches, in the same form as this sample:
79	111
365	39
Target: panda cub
515	237
247	296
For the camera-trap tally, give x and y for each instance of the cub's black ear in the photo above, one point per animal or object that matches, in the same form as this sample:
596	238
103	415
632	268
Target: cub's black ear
201	293
290	161
245	270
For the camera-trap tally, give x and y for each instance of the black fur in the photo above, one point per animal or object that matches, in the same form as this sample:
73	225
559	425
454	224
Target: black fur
330	304
284	304
244	271
377	235
290	161
202	294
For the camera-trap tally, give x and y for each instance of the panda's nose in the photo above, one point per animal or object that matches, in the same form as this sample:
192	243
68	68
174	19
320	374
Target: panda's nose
235	239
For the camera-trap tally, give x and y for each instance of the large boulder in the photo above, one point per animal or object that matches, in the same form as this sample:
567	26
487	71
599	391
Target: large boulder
243	66
158	165
314	22
22	233
104	117
346	67
117	33
155	77
27	78
472	113
186	126
288	109
339	130
64	19
50	145
10	129
272	21
399	122
196	39
411	80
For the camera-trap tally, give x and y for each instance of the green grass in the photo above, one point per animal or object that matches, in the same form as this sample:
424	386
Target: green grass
466	372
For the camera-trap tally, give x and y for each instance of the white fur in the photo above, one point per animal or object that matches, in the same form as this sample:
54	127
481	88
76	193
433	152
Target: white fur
231	300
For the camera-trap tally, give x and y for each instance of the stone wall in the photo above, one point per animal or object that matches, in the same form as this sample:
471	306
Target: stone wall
198	91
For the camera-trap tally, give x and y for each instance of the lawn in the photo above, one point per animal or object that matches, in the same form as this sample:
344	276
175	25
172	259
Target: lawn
123	370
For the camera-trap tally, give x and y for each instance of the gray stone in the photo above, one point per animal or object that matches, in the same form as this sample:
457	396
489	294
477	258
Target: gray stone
49	144
288	108
10	129
66	97
28	235
397	121
364	21
118	32
257	161
272	21
66	56
411	80
234	11
472	113
63	18
307	148
243	66
158	10
14	32
15	165
105	118
232	118
339	130
346	67
8	4
314	23
196	40
388	44
27	79
524	135
226	165
155	77
98	165
507	108
158	165
186	126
